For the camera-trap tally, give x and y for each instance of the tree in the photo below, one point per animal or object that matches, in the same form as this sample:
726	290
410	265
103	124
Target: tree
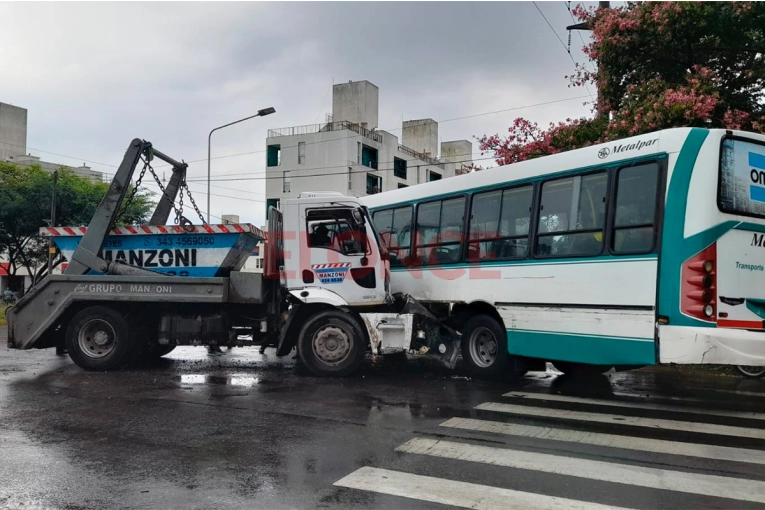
658	65
25	200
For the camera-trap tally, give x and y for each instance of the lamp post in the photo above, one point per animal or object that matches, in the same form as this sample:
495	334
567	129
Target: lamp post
261	113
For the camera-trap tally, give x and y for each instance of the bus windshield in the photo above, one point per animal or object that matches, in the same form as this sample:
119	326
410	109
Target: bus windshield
742	177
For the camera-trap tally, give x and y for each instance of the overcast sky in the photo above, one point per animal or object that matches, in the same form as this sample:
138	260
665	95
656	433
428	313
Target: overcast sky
95	75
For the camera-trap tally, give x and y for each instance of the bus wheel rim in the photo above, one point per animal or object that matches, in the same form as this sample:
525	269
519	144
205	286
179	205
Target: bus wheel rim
483	347
331	345
96	338
751	371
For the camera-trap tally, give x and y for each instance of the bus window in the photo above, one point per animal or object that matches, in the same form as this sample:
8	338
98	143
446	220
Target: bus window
395	227
635	209
571	217
499	224
439	231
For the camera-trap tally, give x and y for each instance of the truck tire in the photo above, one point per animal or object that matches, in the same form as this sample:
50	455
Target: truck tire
98	338
331	344
484	347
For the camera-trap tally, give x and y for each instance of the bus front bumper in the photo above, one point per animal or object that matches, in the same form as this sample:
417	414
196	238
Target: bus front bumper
715	346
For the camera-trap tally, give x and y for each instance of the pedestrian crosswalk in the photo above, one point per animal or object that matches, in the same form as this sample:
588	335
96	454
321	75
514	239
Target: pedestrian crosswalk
526	433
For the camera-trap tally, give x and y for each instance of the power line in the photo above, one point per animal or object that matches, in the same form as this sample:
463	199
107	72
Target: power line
565	48
363	170
440	122
350	163
554	32
545	103
398	129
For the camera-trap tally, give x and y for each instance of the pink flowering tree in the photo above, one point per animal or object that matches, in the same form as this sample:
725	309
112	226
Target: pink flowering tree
658	65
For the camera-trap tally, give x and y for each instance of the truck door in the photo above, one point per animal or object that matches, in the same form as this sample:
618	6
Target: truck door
343	254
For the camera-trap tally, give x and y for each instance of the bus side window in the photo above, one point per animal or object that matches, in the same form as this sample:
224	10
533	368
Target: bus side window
499	224
572	216
439	231
395	227
634	219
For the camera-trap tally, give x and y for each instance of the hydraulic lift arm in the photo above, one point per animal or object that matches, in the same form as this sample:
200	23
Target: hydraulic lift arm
85	257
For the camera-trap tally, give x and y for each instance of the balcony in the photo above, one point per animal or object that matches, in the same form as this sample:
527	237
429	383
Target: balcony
422	157
324	128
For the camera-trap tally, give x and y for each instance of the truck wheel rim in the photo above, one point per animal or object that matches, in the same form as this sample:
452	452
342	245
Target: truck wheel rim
751	371
96	338
483	347
331	345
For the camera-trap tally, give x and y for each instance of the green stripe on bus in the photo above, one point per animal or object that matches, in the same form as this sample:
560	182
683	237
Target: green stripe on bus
675	248
594	349
603	259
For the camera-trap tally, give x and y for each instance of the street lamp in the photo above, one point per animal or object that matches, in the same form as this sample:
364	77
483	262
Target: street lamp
261	113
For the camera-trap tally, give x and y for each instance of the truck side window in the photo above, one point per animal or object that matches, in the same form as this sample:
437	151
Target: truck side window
334	229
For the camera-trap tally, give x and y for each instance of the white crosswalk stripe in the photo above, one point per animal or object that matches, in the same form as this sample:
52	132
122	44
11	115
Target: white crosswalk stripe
653	423
612	470
702	451
633	405
707	485
456	493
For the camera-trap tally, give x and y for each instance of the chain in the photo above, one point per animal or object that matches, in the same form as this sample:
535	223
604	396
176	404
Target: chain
179	218
194	204
179	210
132	193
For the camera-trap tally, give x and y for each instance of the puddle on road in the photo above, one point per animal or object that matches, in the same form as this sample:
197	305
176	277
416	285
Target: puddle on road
246	381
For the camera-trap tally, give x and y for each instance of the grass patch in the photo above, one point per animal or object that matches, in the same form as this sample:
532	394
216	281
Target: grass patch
3	322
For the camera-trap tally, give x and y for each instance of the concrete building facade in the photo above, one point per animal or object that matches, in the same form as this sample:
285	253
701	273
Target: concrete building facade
350	155
13	145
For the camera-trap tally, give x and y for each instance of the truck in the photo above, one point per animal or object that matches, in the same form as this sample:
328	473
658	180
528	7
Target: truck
139	291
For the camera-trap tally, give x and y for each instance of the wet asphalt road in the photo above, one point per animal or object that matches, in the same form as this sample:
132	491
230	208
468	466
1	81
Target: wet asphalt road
249	431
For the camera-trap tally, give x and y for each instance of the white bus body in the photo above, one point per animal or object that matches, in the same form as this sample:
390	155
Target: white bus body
633	252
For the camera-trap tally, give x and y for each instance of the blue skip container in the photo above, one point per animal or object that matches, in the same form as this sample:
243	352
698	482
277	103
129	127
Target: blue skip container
208	250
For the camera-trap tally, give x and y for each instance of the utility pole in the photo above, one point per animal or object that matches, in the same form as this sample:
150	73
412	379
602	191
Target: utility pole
51	244
586	26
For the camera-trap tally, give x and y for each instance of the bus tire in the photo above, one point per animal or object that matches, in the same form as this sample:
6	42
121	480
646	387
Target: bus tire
753	372
484	347
580	369
331	344
98	338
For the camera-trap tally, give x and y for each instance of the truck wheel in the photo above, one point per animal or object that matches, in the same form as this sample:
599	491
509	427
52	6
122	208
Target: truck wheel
484	347
580	369
98	338
331	343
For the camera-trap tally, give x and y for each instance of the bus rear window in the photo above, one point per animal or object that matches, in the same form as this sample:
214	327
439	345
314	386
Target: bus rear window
742	177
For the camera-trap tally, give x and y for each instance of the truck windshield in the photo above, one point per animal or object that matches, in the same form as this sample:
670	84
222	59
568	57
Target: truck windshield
335	229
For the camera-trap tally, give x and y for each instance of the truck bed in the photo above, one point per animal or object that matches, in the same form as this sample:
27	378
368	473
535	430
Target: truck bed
48	301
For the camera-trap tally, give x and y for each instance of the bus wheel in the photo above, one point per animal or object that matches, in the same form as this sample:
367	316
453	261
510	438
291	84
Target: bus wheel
331	344
98	338
570	368
484	347
753	372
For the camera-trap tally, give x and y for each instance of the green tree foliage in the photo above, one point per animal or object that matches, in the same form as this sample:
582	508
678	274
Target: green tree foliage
658	65
25	204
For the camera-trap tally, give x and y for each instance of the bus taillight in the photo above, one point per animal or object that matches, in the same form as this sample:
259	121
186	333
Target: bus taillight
699	285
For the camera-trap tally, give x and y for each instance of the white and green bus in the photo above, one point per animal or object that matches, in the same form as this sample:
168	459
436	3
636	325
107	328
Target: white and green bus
636	252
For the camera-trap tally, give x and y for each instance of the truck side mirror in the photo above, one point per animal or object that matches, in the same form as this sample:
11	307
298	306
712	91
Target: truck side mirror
358	217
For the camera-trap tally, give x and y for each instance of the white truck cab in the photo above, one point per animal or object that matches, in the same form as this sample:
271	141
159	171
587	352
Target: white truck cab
332	254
